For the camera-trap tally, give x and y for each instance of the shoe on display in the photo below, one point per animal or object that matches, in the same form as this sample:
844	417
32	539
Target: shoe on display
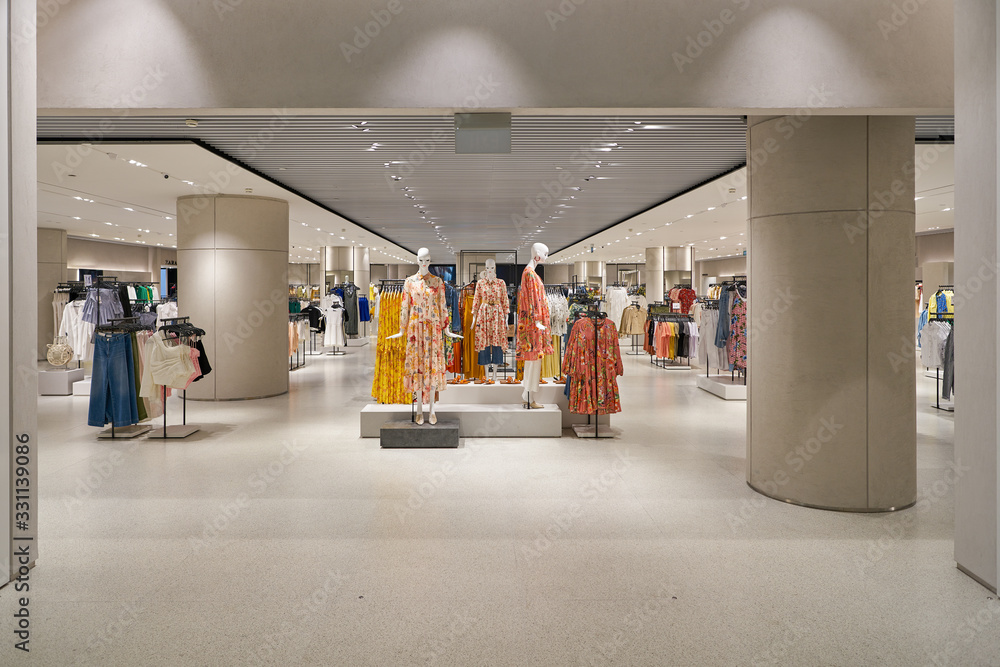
536	406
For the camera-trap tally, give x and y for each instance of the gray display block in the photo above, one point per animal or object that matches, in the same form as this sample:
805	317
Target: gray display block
410	435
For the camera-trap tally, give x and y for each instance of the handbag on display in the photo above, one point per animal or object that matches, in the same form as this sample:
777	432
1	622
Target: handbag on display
60	353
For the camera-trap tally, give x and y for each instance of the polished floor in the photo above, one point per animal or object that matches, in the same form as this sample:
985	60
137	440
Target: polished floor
276	535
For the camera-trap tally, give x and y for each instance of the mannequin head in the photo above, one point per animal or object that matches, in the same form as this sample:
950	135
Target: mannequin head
539	252
424	261
491	268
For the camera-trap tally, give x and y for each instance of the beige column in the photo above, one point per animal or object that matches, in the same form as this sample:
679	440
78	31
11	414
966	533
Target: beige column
655	258
580	271
232	280
831	415
595	272
677	266
977	242
51	272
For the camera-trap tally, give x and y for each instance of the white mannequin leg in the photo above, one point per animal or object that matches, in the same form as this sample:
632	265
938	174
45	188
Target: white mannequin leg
433	417
532	375
420	407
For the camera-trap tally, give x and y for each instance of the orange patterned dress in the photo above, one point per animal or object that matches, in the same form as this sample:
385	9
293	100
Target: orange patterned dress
424	316
490	307
532	306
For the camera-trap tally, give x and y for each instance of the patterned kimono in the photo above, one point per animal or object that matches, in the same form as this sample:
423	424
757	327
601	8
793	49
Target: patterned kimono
424	316
738	333
594	381
532	306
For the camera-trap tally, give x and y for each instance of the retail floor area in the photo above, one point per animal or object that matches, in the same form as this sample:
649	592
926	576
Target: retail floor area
276	535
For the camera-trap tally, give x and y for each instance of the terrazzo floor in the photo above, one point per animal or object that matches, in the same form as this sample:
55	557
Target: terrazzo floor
276	535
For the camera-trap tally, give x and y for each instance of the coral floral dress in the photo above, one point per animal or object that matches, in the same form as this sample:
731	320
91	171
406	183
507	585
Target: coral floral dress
532	306
424	316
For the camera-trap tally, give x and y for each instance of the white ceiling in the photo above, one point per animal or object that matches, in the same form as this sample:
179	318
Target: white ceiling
88	191
688	219
71	174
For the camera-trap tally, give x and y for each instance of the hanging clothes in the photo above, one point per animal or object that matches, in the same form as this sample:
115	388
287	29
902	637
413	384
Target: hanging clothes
934	339
616	301
335	333
101	306
165	311
633	321
453	296
737	344
351	306
471	368
364	312
423	317
78	333
489	307
387	385
593	367
532	307
558	313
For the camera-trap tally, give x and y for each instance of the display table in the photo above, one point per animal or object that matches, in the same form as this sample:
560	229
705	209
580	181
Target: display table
59	382
510	394
724	386
476	420
397	435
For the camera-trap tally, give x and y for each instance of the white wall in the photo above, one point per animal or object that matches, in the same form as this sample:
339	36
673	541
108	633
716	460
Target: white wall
126	261
519	54
935	247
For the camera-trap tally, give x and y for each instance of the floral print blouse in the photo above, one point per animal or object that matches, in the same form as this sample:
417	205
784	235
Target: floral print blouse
423	317
490	307
532	306
738	333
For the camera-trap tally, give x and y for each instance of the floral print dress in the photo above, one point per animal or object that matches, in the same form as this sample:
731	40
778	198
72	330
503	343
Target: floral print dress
738	333
532	306
490	306
423	317
593	380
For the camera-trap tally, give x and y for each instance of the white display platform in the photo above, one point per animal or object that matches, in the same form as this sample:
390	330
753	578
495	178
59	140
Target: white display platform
724	386
510	394
82	388
475	420
58	382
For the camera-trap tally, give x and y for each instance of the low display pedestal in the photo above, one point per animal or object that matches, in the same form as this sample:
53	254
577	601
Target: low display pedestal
81	387
475	420
59	382
724	387
407	434
510	394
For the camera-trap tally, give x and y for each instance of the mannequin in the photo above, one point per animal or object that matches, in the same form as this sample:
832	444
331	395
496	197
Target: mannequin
533	339
424	317
489	308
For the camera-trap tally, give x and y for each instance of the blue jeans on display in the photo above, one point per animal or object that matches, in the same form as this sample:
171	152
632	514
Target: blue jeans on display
492	355
112	387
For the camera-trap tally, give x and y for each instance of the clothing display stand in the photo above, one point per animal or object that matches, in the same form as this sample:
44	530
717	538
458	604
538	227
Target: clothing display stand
592	429
937	373
133	430
661	362
180	325
297	360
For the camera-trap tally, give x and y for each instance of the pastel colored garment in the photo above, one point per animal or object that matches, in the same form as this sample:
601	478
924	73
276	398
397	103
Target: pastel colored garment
489	307
532	306
424	316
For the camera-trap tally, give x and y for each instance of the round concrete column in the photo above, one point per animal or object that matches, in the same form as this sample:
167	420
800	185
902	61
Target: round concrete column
677	266
232	280
595	272
580	271
831	414
654	274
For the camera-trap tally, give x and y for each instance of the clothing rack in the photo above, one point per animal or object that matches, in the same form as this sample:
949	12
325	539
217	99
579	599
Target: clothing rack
180	327
937	371
122	325
598	320
298	360
669	317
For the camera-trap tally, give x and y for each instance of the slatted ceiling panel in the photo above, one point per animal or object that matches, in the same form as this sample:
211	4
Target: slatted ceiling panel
934	127
471	197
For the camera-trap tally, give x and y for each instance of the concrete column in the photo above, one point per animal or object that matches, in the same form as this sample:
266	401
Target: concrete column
595	272
232	280
677	266
580	271
655	258
51	272
977	348
18	266
831	414
362	269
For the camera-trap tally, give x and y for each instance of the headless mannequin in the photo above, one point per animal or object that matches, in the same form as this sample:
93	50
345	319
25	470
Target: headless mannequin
424	262
489	274
533	369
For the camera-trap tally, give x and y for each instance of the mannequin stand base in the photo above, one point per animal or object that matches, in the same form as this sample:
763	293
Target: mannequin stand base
591	431
176	431
336	353
946	407
400	435
723	386
125	432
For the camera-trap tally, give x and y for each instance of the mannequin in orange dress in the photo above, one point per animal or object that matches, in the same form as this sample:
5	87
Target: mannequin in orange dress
533	338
